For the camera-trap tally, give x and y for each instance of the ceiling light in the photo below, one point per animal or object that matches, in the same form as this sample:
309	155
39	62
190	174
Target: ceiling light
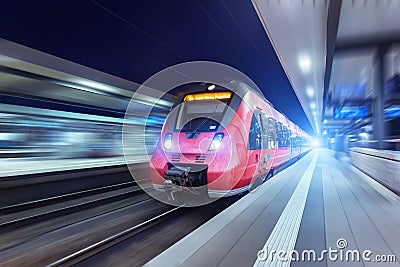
312	105
211	87
305	63
310	91
325	121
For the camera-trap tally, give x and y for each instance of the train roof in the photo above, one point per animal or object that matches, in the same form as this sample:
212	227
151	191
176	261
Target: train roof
237	87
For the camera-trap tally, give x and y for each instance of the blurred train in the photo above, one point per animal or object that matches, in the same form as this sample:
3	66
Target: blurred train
224	140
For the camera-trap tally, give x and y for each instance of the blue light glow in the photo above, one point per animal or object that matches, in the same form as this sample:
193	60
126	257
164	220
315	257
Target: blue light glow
392	112
351	112
350	91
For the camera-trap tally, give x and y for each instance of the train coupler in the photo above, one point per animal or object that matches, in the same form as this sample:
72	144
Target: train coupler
175	180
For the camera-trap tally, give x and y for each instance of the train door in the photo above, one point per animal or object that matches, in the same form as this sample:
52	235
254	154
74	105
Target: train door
259	148
271	142
255	141
264	143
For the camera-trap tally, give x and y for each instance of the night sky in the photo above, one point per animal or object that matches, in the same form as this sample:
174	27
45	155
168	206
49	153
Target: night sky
135	39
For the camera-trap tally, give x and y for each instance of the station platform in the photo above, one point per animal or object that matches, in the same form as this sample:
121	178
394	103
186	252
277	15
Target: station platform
320	211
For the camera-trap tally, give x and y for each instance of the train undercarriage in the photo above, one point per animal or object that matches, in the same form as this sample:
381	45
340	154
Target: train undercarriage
185	177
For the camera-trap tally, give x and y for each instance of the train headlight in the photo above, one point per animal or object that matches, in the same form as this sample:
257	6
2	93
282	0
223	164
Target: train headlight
216	142
168	141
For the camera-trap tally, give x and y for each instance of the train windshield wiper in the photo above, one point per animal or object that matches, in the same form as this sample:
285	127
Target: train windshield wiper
203	122
198	128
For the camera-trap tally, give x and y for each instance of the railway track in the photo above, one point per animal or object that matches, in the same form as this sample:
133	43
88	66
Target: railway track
61	198
59	230
43	248
26	191
104	244
142	246
71	237
28	213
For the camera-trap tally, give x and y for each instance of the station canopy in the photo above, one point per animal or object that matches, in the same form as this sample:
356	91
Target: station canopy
328	48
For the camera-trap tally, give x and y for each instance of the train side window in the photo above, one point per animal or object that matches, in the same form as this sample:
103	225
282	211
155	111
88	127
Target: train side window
298	141
255	134
287	136
264	132
271	133
293	140
280	137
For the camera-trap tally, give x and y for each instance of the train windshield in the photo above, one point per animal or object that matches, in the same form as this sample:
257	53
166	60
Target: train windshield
200	116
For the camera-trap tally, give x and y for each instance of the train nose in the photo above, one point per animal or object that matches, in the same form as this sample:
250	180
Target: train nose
199	144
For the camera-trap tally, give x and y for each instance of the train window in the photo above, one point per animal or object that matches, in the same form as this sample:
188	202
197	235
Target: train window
178	116
200	116
280	139
264	122
286	137
262	132
296	142
201	124
255	134
283	137
271	133
289	134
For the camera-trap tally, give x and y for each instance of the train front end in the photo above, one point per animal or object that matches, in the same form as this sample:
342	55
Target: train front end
194	153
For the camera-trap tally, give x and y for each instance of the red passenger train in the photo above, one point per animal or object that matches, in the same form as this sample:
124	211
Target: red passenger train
224	141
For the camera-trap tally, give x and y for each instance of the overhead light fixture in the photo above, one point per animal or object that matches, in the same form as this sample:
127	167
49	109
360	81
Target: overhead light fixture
305	63
211	87
314	113
325	132
312	105
325	121
310	91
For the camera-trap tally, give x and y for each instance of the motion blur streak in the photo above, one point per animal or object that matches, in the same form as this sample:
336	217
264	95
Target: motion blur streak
33	132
